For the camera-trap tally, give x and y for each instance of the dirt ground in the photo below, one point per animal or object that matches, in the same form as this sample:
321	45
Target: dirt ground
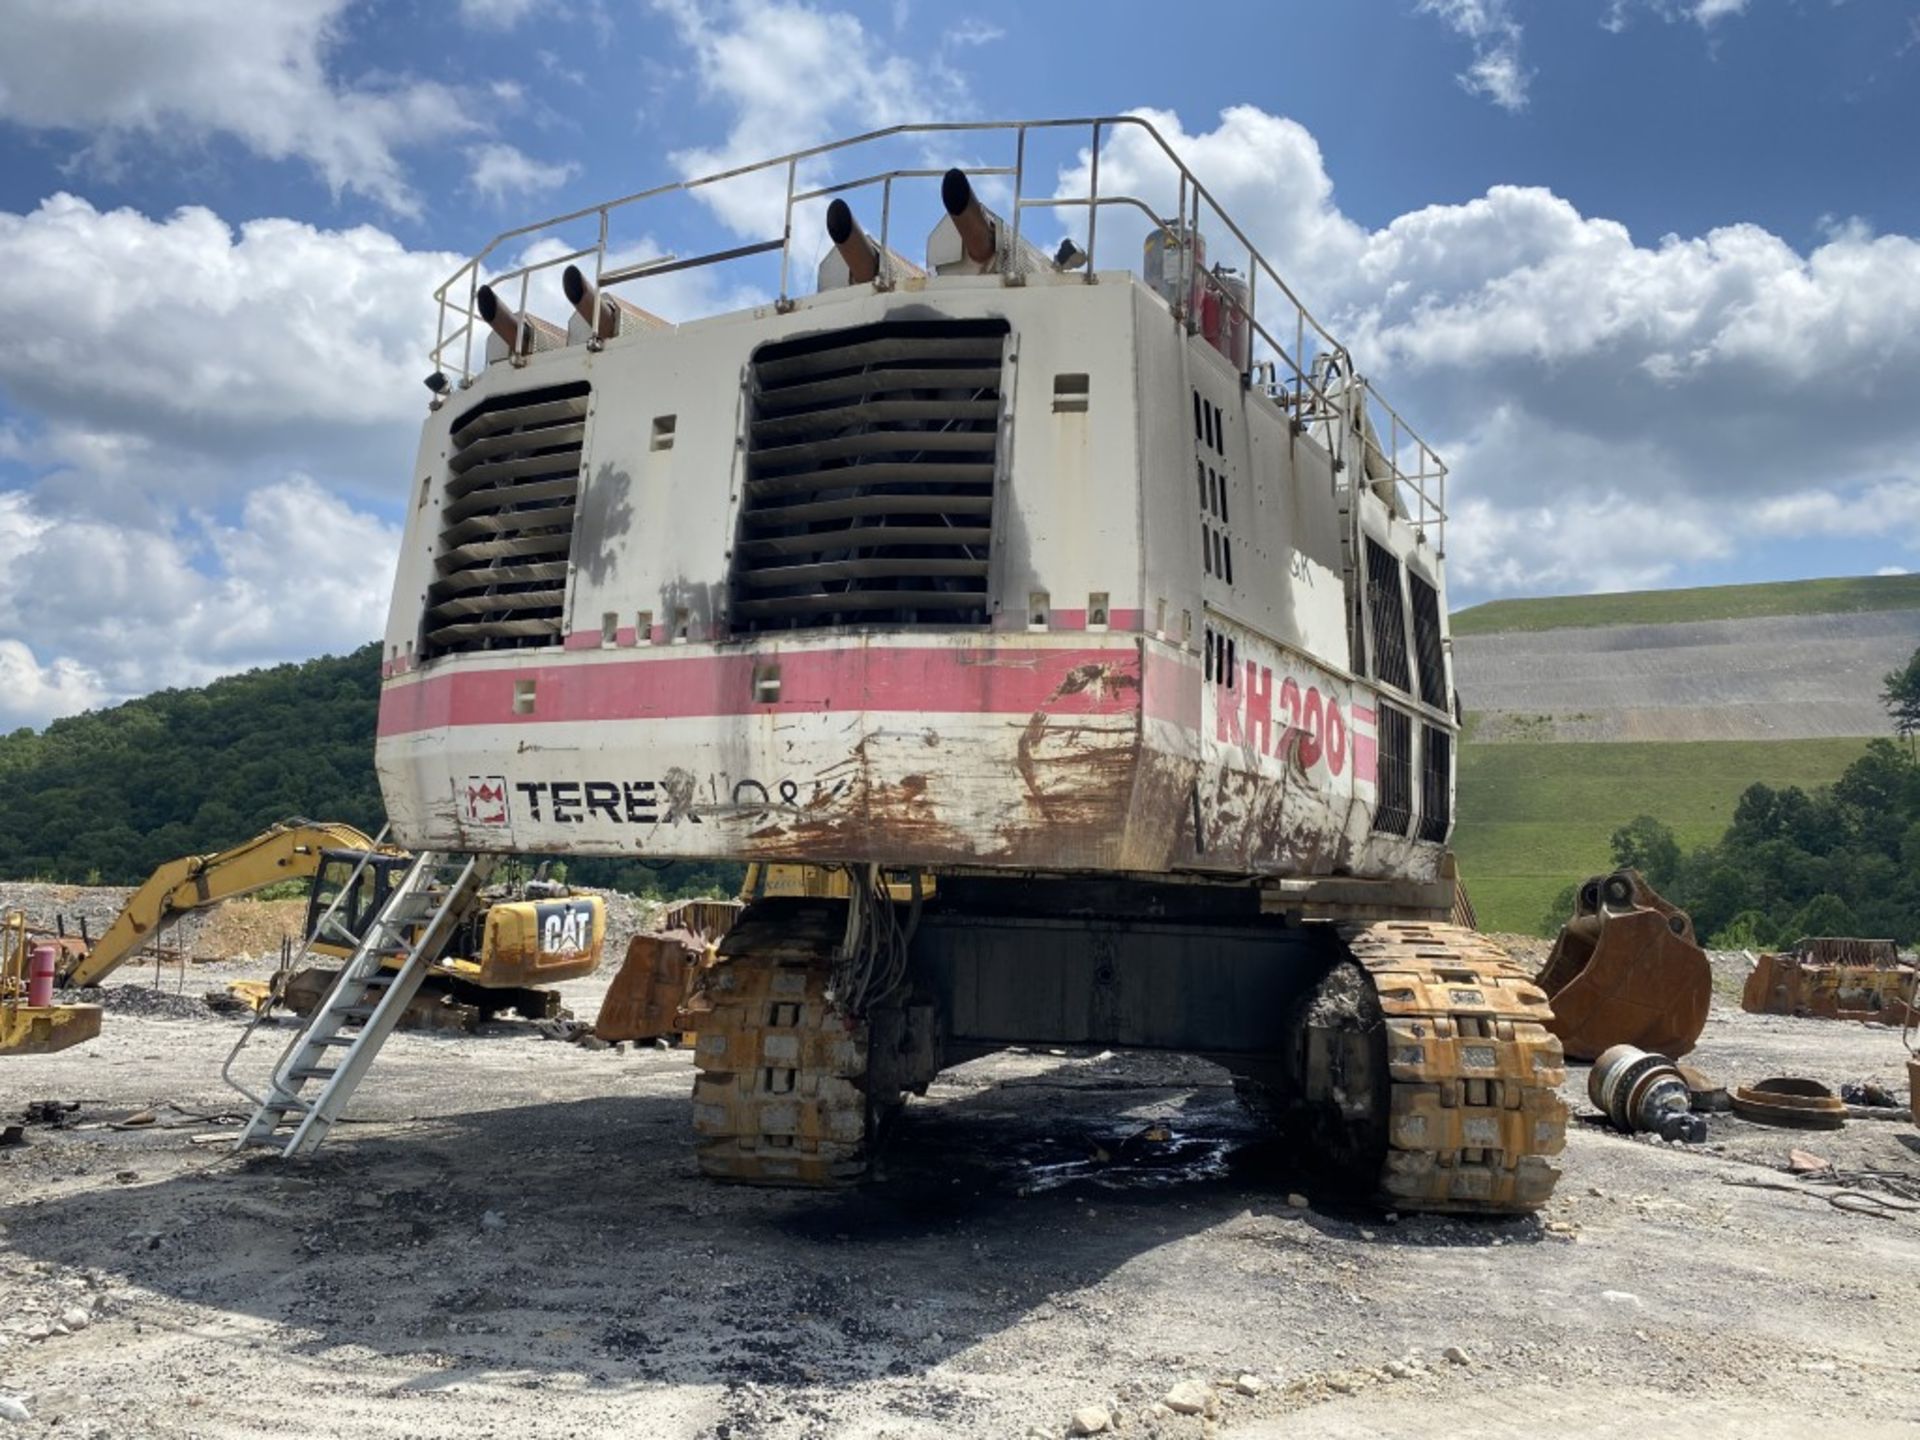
513	1242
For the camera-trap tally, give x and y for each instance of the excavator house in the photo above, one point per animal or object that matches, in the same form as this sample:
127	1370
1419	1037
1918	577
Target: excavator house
1096	586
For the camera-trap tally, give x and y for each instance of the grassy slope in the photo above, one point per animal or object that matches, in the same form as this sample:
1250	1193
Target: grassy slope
1717	602
1534	818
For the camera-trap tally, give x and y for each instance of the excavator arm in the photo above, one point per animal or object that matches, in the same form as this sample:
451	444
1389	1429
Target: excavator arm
290	850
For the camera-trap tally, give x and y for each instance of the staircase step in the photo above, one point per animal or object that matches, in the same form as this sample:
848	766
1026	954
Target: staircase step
433	889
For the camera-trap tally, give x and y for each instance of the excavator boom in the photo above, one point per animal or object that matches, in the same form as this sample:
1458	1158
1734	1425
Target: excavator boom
290	850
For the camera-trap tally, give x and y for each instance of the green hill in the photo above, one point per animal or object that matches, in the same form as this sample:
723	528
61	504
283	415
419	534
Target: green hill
1845	595
1539	801
105	796
1535	818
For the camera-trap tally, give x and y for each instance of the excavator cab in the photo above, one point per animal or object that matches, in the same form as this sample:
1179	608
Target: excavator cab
337	934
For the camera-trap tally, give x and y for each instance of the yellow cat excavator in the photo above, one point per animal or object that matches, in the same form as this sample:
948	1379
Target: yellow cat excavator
507	951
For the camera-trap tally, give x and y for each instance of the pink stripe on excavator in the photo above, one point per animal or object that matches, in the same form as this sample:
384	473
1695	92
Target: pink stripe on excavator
987	679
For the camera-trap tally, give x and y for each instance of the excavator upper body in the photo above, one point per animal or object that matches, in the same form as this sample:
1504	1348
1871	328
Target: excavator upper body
1098	591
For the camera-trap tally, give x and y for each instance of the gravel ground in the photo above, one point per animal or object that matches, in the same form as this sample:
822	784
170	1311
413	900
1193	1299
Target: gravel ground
513	1242
1783	677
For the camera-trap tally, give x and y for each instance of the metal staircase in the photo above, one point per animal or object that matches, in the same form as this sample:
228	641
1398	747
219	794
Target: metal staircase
346	1031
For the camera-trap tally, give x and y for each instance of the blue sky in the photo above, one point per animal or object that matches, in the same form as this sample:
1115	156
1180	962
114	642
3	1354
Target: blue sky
1643	269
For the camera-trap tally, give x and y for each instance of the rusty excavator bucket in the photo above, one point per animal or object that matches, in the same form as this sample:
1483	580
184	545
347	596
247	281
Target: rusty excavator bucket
1625	970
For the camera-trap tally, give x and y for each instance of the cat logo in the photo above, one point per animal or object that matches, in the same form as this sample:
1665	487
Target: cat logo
566	927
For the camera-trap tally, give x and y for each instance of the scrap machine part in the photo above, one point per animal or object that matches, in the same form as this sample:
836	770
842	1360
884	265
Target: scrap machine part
434	1008
44	1029
30	1023
784	1093
655	982
1791	1101
1833	978
1638	1090
1626	970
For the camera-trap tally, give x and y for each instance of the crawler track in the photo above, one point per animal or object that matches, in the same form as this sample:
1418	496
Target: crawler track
1473	1117
781	1096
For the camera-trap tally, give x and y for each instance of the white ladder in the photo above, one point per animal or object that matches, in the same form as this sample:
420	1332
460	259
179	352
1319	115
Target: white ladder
346	1030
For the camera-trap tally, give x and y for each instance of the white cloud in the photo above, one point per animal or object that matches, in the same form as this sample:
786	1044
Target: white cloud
497	14
207	423
1892	570
1497	71
31	694
1582	542
972	31
1704	13
789	76
1706	388
187	333
498	173
177	72
300	573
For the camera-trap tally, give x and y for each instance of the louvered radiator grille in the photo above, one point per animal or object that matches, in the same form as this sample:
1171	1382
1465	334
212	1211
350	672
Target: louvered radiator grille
871	457
506	525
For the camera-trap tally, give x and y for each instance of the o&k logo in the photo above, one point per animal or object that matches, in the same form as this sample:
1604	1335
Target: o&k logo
486	800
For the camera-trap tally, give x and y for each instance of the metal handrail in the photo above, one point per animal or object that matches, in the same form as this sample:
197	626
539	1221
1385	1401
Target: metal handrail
1294	386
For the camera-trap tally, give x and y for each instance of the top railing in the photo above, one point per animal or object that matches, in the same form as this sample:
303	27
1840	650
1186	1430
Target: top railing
1289	356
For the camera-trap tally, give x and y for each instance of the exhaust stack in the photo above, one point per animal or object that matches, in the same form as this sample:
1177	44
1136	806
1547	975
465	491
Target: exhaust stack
854	246
970	218
971	240
855	258
616	316
514	336
502	321
581	295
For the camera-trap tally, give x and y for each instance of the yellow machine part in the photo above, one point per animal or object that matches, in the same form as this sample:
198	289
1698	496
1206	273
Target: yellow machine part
34	1029
644	1002
1625	970
291	850
537	942
821	882
42	1029
1834	979
525	944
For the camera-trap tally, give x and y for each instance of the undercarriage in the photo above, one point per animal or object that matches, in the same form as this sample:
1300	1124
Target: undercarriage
1407	1062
